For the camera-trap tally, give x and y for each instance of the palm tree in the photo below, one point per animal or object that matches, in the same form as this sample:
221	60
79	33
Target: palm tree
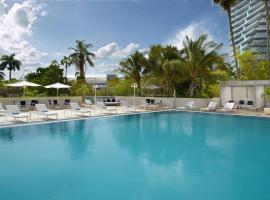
10	63
81	56
162	62
198	61
134	68
266	3
66	62
227	5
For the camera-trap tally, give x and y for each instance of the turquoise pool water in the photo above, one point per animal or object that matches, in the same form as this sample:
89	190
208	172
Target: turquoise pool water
142	157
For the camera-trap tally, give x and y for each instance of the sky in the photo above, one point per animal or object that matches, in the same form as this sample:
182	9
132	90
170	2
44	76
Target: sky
38	31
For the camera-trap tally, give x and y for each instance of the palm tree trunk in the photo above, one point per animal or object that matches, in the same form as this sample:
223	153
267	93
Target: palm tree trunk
82	73
267	45
139	87
10	74
233	43
191	89
66	75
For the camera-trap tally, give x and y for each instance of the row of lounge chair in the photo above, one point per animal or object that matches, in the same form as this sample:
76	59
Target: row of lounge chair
42	111
212	106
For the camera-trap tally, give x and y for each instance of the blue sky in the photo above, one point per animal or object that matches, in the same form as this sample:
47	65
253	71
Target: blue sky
39	31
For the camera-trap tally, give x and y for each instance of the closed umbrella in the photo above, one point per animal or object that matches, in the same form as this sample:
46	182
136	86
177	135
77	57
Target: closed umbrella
57	86
23	84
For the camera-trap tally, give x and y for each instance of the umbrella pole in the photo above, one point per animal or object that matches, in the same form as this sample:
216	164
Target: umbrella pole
57	96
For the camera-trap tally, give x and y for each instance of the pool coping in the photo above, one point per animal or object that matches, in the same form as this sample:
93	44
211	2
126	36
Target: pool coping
80	118
134	113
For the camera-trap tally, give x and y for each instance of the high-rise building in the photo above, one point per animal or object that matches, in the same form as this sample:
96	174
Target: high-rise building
250	27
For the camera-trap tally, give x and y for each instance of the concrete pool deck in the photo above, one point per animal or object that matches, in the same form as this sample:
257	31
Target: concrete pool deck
67	114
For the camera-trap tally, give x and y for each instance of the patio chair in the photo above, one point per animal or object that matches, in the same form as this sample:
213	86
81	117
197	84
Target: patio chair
102	107
66	103
250	105
23	105
55	103
189	106
33	103
241	104
211	107
14	112
74	106
50	103
42	110
228	107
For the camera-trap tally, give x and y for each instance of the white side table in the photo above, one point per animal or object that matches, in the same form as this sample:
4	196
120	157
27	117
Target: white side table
267	111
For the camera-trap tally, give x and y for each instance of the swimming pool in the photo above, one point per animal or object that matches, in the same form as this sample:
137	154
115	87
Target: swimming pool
170	155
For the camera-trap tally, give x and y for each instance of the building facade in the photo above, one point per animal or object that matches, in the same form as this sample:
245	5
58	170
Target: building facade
250	27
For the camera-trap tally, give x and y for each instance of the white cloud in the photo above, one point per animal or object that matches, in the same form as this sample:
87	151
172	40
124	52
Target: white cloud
112	50
193	31
106	68
15	24
108	57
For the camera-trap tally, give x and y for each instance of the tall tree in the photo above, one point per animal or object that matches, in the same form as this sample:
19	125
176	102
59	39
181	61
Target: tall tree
134	68
45	76
162	63
81	56
251	67
10	63
66	63
227	5
266	3
199	57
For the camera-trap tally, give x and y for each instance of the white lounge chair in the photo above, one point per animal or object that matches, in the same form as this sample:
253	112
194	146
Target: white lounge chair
102	107
228	107
148	106
14	112
189	106
211	106
143	104
166	104
88	103
76	108
127	107
42	110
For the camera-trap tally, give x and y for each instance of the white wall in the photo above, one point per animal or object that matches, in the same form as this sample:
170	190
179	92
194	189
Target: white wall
243	93
198	102
248	93
260	97
225	94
